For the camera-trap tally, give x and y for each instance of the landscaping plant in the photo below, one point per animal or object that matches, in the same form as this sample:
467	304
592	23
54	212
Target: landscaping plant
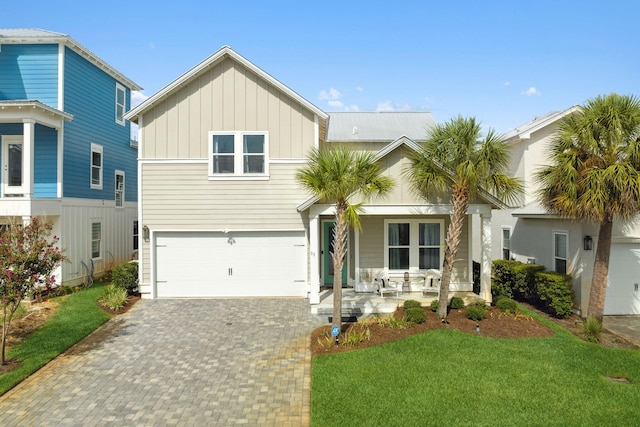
28	256
113	298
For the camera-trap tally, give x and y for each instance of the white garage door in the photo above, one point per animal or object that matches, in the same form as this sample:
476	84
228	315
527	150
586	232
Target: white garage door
623	292
237	264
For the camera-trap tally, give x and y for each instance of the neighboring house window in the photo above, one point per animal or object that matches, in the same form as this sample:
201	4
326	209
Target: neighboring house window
560	252
96	166
119	189
135	235
506	243
238	154
120	103
96	240
413	244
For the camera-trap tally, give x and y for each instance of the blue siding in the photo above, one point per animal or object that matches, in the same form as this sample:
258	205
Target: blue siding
45	162
90	97
29	72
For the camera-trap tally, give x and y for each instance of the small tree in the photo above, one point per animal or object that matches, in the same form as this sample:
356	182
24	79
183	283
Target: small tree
28	256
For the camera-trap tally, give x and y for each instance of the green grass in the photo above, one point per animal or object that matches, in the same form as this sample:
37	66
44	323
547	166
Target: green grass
448	378
77	316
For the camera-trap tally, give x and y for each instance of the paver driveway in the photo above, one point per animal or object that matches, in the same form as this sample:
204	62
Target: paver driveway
178	362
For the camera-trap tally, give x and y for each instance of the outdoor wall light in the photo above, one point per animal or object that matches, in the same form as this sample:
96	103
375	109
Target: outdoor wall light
145	233
588	243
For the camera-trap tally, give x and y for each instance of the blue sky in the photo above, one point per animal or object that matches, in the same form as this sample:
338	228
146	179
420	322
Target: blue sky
503	62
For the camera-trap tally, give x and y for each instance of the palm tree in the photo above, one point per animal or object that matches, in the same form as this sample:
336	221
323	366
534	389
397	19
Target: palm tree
595	175
455	160
334	175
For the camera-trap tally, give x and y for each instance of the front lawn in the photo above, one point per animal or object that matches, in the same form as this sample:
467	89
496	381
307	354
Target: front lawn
447	378
77	316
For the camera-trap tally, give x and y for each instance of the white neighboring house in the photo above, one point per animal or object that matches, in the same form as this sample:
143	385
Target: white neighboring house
529	234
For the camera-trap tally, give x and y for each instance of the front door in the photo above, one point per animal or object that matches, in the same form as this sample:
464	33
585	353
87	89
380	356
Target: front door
12	165
327	261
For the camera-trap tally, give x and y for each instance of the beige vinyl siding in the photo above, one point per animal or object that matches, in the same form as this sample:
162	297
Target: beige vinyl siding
226	97
179	195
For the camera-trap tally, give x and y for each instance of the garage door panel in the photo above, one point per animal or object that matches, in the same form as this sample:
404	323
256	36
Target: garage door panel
623	290
230	265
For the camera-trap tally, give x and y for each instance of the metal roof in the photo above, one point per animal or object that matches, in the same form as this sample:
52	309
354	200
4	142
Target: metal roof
37	36
524	131
379	126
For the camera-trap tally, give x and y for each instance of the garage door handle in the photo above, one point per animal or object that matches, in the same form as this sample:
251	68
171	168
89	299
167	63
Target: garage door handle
231	272
635	287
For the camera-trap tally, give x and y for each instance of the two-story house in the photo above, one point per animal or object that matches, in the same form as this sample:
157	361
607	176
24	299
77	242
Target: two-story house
223	215
530	234
66	149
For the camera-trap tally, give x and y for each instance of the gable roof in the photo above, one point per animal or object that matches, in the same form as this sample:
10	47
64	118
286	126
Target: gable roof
37	36
379	126
219	56
524	131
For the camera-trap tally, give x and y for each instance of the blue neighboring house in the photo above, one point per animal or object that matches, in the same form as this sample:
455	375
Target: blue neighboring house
66	150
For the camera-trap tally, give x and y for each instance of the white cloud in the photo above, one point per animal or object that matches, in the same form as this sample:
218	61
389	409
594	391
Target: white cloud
359	89
352	107
531	91
391	106
137	98
335	103
507	83
331	95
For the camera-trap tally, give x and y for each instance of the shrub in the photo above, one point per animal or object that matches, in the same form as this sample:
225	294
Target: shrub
506	304
434	305
456	303
411	303
592	328
415	315
356	334
515	280
113	298
393	322
503	279
476	311
125	276
555	293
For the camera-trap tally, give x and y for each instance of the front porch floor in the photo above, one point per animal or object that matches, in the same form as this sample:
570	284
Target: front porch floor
357	304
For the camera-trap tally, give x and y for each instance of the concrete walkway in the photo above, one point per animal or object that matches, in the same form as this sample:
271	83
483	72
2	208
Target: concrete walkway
178	362
627	327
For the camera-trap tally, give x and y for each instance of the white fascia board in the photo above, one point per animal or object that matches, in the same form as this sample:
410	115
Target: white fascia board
525	133
208	62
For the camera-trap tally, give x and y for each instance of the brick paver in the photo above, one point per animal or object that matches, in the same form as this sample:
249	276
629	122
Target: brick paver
179	362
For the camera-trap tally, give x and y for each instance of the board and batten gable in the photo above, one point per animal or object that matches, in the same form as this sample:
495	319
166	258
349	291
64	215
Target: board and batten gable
226	97
29	72
90	97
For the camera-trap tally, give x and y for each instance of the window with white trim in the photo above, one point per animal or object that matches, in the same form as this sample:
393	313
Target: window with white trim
413	244
560	250
96	166
119	189
506	243
120	103
238	154
96	240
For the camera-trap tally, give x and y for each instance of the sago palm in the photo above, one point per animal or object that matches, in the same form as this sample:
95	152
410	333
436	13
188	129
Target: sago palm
334	175
457	161
594	174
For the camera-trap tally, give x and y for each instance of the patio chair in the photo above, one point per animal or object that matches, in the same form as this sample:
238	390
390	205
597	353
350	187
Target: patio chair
432	281
385	286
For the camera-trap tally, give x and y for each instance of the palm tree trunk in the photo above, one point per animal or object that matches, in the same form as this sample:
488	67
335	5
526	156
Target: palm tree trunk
339	251
600	271
454	231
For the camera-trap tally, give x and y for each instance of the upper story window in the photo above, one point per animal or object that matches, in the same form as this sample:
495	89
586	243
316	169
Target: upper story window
96	166
119	189
506	243
413	244
560	251
238	155
120	103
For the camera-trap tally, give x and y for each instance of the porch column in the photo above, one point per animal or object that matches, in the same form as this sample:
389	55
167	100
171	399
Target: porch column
314	247
27	156
485	252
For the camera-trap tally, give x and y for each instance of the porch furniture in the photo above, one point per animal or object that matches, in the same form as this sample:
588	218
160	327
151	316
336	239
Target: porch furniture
432	282
366	281
386	286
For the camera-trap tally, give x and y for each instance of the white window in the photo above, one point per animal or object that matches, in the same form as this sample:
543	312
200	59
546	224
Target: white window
96	240
560	250
506	243
120	103
119	189
413	244
238	154
96	166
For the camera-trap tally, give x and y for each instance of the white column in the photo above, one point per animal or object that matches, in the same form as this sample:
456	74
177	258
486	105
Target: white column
485	263
27	156
314	257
